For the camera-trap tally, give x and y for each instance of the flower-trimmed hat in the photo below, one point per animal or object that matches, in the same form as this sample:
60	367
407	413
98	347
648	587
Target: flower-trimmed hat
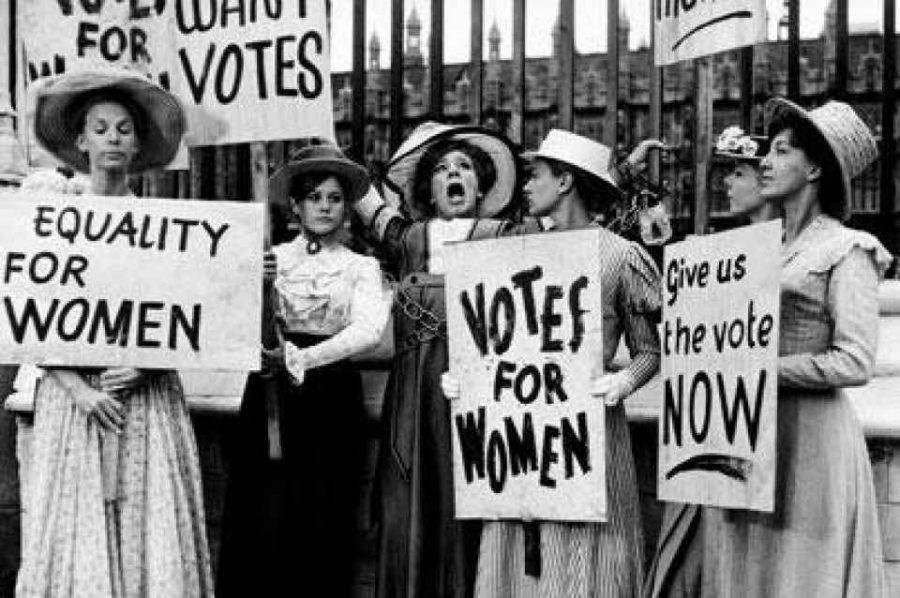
733	143
321	156
60	102
403	165
849	138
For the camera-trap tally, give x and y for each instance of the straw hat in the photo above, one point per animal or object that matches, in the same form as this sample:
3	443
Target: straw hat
733	143
401	170
848	137
159	121
591	157
321	157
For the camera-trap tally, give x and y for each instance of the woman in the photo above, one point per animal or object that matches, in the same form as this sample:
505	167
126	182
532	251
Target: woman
676	570
453	181
822	538
114	505
292	520
570	184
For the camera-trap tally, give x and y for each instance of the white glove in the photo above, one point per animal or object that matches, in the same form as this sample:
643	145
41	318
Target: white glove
293	360
450	386
612	388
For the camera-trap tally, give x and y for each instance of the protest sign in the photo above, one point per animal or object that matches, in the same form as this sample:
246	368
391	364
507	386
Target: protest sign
245	70
686	29
720	368
119	281
525	337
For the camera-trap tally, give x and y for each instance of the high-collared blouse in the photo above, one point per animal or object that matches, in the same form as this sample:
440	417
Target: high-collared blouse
829	306
333	293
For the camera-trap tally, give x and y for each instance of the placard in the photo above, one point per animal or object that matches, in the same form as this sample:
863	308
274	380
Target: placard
524	318
245	70
719	337
119	281
686	29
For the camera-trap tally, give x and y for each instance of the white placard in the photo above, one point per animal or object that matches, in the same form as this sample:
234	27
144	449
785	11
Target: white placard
686	29
720	368
118	281
524	317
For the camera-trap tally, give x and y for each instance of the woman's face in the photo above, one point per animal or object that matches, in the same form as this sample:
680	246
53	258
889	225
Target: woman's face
541	189
786	169
742	186
108	138
322	210
454	186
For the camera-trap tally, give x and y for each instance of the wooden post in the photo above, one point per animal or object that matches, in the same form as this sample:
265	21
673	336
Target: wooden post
656	100
611	126
358	78
476	61
436	62
517	115
703	79
566	64
794	49
747	88
396	74
888	204
840	51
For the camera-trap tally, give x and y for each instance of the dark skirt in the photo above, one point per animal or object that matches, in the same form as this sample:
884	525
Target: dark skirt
289	527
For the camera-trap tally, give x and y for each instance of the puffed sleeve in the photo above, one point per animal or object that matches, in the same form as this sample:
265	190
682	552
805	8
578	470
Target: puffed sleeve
369	310
641	304
852	301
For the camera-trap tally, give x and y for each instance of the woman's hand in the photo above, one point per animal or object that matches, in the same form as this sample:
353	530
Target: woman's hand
270	267
107	411
293	360
637	159
450	386
121	381
612	388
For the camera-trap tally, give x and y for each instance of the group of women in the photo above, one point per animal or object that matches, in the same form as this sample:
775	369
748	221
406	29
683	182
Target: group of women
114	503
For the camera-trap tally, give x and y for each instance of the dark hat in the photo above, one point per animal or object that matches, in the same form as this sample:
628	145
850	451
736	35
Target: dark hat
158	116
319	158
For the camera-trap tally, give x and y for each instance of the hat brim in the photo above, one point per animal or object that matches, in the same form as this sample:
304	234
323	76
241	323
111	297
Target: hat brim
401	170
776	107
354	177
162	119
605	181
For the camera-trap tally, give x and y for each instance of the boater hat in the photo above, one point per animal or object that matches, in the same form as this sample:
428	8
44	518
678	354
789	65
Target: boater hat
401	170
321	157
159	119
848	137
585	154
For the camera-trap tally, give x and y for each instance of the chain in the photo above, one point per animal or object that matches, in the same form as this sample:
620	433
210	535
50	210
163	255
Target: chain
428	325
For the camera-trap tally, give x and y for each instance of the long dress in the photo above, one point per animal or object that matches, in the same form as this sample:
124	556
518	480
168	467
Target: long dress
581	560
290	524
823	538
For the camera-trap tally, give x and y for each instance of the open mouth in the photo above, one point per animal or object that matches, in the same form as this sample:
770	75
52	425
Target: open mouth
456	190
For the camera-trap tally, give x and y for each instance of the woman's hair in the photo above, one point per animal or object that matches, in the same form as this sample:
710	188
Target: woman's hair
80	108
305	184
596	194
483	164
803	135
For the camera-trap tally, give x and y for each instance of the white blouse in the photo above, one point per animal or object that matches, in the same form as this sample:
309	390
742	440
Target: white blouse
335	293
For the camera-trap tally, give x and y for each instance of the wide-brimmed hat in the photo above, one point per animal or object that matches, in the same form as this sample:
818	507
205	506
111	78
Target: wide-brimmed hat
848	137
585	154
159	119
402	167
320	157
734	144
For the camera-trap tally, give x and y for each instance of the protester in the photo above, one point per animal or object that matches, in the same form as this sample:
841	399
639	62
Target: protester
676	569
822	538
292	519
570	183
114	505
